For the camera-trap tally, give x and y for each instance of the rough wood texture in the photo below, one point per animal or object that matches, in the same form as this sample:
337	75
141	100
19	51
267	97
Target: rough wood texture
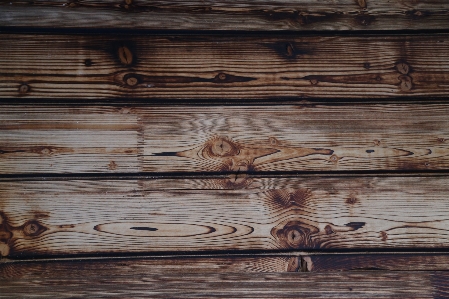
91	267
234	285
230	139
120	216
386	262
200	264
301	15
223	66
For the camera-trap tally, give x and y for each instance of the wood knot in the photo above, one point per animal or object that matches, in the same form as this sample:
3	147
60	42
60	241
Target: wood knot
376	142
296	235
383	236
222	76
367	65
125	55
112	165
273	141
406	83
221	147
88	62
441	140
24	88
351	200
334	158
131	80
403	68
33	228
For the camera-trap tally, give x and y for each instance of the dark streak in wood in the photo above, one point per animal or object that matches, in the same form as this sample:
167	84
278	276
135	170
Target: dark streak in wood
152	229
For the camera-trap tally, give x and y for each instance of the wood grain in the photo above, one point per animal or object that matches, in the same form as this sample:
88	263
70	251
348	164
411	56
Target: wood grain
200	264
299	15
364	284
376	262
223	66
124	216
97	267
228	139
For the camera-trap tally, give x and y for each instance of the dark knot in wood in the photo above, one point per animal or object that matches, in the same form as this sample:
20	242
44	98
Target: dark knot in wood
221	147
296	235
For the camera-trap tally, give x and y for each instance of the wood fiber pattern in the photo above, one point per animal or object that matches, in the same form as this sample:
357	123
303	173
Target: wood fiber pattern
125	216
227	139
211	67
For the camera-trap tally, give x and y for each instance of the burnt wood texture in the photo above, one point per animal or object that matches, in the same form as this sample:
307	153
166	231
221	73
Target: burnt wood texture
88	217
300	15
224	149
224	66
229	139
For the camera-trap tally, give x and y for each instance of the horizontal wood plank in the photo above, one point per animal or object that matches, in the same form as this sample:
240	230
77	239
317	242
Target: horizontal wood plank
366	284
112	266
223	66
299	15
123	216
230	263
228	139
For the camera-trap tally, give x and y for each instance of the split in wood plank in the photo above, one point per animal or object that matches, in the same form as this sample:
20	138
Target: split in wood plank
229	139
223	66
125	216
302	15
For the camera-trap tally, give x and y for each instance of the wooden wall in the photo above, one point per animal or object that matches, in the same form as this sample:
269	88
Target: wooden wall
233	149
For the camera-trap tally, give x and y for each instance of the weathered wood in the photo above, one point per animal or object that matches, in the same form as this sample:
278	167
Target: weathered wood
375	284
229	139
123	216
299	15
202	264
97	267
223	66
390	262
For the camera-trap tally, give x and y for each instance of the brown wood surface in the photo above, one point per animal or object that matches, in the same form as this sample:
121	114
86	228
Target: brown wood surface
125	216
216	263
301	15
111	266
228	139
374	262
146	284
223	66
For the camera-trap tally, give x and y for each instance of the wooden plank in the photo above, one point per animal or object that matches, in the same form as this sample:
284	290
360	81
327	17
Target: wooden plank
223	66
202	264
383	262
366	284
301	15
124	216
227	139
112	266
